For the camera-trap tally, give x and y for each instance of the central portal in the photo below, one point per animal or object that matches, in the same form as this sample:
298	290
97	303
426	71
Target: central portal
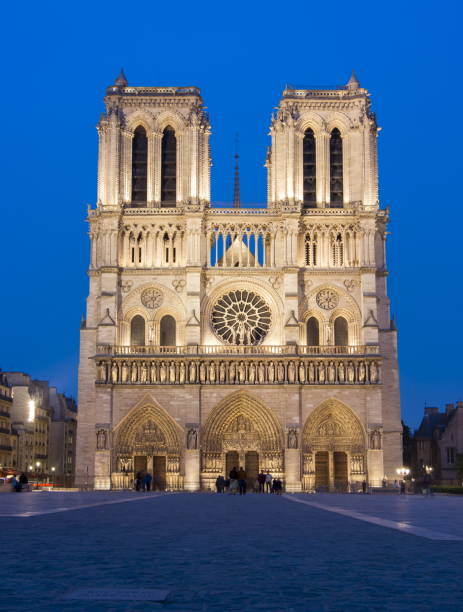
249	461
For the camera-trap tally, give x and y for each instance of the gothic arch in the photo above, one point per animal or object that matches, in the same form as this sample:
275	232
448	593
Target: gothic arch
166	118
264	424
311	120
144	119
333	426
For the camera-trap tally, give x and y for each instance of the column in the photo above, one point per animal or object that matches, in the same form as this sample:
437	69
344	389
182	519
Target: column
293	470
331	470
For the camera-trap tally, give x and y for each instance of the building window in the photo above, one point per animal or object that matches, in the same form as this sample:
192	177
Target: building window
167	331
313	332
337	251
169	167
310	250
341	332
309	169
139	165
137	331
336	170
451	454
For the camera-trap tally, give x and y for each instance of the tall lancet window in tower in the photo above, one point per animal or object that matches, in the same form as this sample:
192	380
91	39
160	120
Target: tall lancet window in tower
336	182
169	167
309	169
139	166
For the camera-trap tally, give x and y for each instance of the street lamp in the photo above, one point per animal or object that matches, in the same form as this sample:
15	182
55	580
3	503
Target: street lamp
428	469
403	472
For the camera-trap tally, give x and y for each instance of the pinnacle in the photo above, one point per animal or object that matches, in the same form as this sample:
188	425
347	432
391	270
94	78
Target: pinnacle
353	82
121	80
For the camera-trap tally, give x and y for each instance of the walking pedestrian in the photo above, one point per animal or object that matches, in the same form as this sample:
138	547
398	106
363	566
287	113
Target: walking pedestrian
261	479
147	481
268	482
402	487
138	481
219	484
233	480
364	486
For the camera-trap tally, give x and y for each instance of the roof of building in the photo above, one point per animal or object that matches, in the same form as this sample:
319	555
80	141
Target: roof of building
431	423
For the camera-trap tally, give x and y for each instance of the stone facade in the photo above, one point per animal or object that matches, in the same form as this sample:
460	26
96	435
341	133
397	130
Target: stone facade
255	336
7	437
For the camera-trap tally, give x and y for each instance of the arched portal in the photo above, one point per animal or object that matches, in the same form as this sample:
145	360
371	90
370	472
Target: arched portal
333	446
241	429
147	439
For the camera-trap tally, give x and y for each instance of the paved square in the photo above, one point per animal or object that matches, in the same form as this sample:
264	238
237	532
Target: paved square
221	552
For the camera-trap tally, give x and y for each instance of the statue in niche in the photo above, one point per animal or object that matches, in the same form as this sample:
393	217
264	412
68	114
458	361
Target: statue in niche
114	373
341	372
331	373
292	438
321	372
144	373
192	374
271	372
222	372
350	372
373	373
362	372
172	373
261	373
181	373
232	372
124	372
242	372
102	371
311	372
375	439
212	372
134	372
301	372
252	373
202	373
154	372
192	439
280	372
101	439
291	372
162	372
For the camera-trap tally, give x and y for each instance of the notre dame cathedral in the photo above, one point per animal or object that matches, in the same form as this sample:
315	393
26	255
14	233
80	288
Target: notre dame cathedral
255	337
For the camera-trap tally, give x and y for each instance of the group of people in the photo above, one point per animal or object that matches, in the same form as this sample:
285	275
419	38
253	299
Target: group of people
143	481
237	483
20	484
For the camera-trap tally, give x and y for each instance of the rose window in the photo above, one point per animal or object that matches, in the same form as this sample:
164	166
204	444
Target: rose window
241	317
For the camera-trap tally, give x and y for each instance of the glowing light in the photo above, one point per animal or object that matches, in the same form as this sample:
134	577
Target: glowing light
53	469
31	416
38	464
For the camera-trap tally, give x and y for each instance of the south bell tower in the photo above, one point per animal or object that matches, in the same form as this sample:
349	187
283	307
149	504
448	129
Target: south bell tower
251	336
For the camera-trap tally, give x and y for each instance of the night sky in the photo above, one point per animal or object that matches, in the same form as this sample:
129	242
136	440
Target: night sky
57	60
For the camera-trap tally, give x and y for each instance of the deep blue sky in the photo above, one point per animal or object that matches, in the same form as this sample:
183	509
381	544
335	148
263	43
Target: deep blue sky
57	59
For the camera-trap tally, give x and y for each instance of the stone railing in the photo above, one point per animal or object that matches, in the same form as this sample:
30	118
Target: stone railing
224	349
237	371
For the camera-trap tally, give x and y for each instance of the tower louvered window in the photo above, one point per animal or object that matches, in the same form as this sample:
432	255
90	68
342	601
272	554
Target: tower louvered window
337	251
139	166
310	250
309	170
169	167
336	170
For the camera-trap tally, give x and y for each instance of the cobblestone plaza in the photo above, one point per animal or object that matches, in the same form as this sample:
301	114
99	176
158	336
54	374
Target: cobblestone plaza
223	552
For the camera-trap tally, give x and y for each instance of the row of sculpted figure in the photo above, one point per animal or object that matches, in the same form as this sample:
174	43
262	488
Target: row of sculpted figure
238	372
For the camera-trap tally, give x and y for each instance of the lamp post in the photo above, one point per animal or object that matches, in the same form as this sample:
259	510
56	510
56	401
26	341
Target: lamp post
403	472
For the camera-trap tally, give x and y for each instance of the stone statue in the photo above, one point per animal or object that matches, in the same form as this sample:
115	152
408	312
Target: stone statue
271	372
261	373
124	372
102	371
192	439
292	438
373	373
154	372
144	373
301	372
341	372
212	372
280	372
350	372
181	373
362	372
331	373
291	373
232	372
134	372
375	439
321	372
222	372
172	373
242	372
114	373
163	372
101	439
192	375
311	372
202	373
252	373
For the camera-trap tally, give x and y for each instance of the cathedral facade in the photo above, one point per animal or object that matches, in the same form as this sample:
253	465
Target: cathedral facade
221	337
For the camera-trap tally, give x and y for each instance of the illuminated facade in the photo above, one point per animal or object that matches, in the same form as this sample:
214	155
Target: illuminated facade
254	337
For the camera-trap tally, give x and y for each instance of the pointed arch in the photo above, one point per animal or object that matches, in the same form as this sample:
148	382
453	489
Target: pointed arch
309	169
139	165
336	169
168	167
334	426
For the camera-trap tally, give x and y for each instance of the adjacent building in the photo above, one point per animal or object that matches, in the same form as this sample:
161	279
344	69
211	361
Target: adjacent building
63	431
258	337
7	439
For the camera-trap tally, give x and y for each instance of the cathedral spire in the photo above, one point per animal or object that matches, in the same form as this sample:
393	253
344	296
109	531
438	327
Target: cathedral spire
236	186
121	80
353	82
